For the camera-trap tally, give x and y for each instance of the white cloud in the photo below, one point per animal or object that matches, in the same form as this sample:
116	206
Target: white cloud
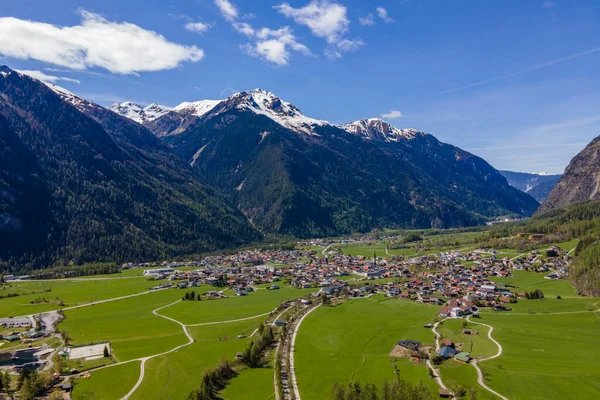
368	20
549	4
324	19
229	11
198	27
122	48
392	114
47	78
275	45
344	46
244	28
383	14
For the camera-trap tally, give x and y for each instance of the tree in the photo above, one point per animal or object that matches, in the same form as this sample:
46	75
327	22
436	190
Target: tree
464	324
6	382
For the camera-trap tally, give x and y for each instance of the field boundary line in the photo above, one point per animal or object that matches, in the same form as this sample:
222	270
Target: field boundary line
231	320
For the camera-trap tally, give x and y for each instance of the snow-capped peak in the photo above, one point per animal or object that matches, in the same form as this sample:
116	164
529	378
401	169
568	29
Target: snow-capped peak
138	113
197	108
263	102
378	129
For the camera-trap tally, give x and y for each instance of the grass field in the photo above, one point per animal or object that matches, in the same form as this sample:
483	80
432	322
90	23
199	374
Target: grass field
546	356
134	332
176	374
128	324
107	384
250	384
71	292
352	342
235	307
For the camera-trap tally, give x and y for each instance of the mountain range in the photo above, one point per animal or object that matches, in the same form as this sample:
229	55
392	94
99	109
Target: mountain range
537	185
295	175
79	182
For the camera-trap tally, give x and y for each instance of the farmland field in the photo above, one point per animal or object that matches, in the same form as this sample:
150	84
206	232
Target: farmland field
352	342
71	292
128	324
107	384
235	307
543	359
250	384
167	376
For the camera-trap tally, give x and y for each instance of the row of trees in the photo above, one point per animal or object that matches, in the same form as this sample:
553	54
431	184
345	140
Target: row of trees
213	380
252	355
534	294
191	296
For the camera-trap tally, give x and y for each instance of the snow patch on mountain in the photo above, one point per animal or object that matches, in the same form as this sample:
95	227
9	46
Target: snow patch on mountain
138	113
79	103
197	108
378	129
266	103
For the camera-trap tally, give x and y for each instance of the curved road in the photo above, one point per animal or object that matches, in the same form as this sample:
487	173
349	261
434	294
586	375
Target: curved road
292	344
480	378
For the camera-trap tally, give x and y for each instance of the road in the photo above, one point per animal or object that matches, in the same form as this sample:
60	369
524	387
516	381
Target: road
436	373
292	349
480	377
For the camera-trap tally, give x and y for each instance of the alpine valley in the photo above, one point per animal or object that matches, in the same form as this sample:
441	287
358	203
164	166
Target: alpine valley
84	183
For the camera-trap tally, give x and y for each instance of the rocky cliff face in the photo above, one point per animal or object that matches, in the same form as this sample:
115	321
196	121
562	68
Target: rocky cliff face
581	180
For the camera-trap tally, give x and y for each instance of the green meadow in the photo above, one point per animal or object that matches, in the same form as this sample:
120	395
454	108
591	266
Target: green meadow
258	302
546	356
176	374
108	383
135	332
128	324
352	342
47	294
250	384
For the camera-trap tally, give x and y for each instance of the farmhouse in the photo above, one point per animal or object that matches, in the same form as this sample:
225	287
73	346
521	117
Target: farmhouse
462	357
447	352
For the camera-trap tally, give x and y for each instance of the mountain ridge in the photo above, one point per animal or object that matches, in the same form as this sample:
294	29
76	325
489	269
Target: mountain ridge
89	186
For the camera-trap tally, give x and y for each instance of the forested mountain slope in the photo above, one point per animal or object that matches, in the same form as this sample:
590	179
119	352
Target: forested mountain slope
77	188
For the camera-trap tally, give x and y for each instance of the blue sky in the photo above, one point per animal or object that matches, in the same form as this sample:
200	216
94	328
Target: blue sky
513	81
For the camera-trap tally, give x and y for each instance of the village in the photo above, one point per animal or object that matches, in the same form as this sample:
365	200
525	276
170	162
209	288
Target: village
458	281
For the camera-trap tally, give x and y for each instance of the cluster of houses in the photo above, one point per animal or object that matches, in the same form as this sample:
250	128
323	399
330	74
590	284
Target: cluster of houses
459	281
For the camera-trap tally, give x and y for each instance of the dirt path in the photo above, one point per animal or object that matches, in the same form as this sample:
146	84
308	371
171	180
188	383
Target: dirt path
436	373
231	320
480	377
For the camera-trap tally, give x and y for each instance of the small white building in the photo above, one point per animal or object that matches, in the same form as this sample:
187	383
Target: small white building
158	271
